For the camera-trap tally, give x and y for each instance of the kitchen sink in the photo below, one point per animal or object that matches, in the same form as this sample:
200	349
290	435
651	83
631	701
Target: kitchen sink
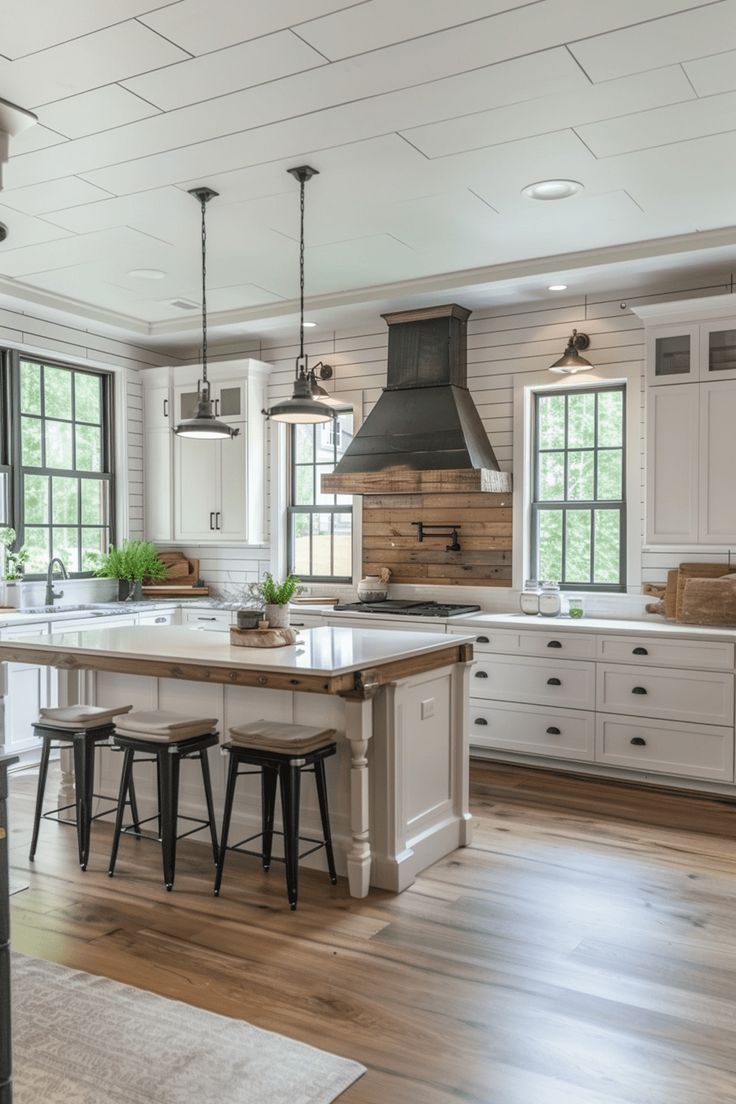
56	609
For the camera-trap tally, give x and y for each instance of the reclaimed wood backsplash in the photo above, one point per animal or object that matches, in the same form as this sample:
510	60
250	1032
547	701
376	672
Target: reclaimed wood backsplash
390	538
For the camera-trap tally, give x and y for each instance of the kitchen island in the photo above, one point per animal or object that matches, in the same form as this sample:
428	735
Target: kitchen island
398	790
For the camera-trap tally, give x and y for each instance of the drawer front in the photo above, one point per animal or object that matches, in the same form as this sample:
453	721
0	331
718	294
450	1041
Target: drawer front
568	683
705	654
703	697
560	733
692	750
306	621
571	645
160	617
216	620
489	640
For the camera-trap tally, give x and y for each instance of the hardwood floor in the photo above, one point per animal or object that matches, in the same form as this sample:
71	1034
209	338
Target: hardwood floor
570	956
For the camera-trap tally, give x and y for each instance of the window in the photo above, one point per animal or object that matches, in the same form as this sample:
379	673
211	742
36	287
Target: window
61	451
5	467
320	537
578	505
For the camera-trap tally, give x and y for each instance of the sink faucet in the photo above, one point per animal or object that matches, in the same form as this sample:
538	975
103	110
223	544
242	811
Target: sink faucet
50	592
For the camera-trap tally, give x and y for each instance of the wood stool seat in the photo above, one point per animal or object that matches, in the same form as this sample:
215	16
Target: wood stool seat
281	752
85	728
165	738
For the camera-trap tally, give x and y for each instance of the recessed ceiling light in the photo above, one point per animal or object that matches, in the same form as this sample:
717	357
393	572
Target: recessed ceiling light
147	273
557	287
308	325
552	189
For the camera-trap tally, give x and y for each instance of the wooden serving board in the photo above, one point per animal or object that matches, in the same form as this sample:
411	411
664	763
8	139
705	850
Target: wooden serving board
697	571
164	590
179	568
670	595
261	638
708	602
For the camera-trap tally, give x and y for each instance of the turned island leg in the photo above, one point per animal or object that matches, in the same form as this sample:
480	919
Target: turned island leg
358	730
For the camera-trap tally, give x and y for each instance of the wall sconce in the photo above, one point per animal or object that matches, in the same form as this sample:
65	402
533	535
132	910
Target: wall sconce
570	363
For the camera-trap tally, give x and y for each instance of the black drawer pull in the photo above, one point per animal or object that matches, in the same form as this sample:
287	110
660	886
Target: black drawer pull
553	644
481	674
554	682
638	741
481	721
160	620
482	640
638	690
553	731
640	651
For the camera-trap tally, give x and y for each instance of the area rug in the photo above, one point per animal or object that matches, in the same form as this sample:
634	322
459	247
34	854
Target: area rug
82	1039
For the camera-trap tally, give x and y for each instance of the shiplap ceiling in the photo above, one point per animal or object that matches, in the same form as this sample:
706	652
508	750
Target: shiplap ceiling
425	119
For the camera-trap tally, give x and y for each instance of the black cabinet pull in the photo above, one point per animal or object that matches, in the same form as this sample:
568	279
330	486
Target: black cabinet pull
482	640
206	618
638	690
553	682
552	731
481	721
217	520
481	674
166	408
638	741
217	408
160	620
212	519
640	651
553	644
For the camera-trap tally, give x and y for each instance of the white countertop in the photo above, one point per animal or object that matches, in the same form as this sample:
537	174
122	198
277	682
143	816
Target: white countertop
610	625
321	651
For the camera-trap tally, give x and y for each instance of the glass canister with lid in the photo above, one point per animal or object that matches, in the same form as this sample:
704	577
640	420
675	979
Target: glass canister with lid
529	597
550	599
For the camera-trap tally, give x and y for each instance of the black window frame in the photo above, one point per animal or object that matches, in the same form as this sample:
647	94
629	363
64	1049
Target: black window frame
325	510
563	505
6	466
12	390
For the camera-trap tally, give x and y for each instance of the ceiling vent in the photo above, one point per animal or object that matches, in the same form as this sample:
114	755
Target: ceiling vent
184	304
424	433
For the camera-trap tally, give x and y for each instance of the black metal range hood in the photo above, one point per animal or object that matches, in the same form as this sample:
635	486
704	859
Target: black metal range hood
424	433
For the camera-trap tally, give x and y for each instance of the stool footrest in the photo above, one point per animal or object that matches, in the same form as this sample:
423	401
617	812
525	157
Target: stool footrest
319	844
130	829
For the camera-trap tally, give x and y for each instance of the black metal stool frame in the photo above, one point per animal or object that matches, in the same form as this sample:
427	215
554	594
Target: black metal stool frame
84	743
168	756
284	770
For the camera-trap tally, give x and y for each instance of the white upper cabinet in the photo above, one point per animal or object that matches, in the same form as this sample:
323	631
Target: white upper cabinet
208	492
691	412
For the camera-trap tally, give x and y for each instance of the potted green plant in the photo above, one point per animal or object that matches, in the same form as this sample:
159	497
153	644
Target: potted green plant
130	563
276	598
13	569
7	538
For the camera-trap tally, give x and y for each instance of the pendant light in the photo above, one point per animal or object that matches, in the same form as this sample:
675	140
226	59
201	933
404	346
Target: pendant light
570	363
204	426
304	407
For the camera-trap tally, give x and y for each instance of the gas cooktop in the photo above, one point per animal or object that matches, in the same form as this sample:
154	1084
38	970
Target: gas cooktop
407	609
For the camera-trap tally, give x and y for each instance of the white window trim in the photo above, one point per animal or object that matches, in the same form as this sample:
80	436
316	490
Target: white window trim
280	494
524	390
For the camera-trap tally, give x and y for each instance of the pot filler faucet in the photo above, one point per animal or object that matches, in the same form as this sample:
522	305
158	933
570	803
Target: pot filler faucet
50	592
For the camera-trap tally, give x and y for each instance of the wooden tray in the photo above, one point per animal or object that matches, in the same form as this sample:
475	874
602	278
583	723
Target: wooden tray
697	571
261	638
708	602
174	590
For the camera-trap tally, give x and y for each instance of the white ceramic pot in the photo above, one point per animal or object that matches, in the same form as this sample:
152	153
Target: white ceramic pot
13	594
371	589
277	616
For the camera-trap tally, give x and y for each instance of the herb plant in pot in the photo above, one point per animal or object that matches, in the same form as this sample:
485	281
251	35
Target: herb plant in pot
276	598
13	568
130	563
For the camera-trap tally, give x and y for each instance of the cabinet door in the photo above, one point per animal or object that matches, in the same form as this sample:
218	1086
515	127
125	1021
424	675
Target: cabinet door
197	498
186	399
229	399
672	464
718	350
25	687
231	521
157	408
673	354
158	485
717	462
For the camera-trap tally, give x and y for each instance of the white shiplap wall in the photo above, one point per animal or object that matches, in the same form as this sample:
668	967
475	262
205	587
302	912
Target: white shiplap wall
503	344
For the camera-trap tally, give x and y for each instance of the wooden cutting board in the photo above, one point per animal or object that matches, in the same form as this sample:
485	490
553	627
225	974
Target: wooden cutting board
172	590
697	571
179	569
708	602
670	595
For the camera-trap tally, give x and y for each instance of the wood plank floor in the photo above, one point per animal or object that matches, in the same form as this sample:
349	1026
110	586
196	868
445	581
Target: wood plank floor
572	955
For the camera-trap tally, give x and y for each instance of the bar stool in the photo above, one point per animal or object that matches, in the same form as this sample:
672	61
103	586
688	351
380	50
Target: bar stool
85	727
166	739
281	752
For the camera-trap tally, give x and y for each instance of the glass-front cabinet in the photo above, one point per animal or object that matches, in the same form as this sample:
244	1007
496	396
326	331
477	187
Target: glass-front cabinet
691	352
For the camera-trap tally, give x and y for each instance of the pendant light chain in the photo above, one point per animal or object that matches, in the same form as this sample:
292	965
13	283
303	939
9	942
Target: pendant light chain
302	183
205	384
